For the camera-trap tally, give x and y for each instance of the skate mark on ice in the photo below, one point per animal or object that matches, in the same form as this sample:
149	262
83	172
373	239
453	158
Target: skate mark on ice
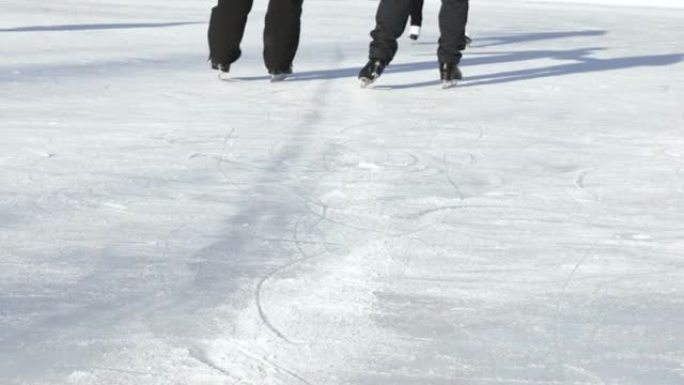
556	332
284	154
118	370
426	212
580	185
323	216
359	228
390	165
201	356
435	210
304	257
265	362
371	124
595	379
579	181
221	159
447	172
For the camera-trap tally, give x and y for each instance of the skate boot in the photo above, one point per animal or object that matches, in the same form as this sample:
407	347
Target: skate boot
449	74
414	32
467	40
222	68
280	75
370	72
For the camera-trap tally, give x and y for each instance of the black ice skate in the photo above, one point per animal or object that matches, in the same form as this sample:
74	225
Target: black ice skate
221	67
280	75
449	74
370	72
467	40
414	32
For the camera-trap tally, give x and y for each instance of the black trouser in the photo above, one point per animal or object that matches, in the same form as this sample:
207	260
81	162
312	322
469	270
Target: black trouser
391	21
281	32
417	12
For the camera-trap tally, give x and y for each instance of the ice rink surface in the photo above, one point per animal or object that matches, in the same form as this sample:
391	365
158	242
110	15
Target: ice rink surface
159	226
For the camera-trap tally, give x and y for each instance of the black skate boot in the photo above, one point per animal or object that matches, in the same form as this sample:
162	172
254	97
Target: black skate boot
414	32
371	71
467	40
449	74
222	68
280	75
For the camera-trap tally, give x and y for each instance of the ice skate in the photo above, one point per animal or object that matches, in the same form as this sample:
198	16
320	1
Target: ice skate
449	74
280	75
370	72
223	69
414	32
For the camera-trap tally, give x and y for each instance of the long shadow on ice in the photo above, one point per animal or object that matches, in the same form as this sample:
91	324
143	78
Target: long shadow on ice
486	58
483	58
483	42
581	62
537	36
91	27
100	305
584	66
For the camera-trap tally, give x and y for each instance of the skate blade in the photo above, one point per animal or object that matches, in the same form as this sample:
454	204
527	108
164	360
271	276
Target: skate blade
365	82
278	78
446	84
225	77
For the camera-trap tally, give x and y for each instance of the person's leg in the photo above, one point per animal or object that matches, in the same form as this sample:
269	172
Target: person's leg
390	19
453	17
281	34
226	28
416	19
417	13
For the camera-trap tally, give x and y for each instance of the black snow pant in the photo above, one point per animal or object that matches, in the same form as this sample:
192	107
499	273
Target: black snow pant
281	32
416	12
391	21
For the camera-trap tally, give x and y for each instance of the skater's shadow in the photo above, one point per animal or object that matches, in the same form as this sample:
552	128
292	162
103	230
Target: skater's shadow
353	72
92	27
491	41
574	61
580	61
585	65
340	73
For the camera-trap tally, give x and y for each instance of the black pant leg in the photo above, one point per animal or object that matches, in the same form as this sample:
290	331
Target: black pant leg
390	24
453	17
226	28
417	12
281	33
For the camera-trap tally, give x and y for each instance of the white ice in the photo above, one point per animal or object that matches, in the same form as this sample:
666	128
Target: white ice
161	227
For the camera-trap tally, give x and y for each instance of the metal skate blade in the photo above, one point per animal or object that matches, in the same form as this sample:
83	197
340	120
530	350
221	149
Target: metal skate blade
224	76
278	78
446	84
365	82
